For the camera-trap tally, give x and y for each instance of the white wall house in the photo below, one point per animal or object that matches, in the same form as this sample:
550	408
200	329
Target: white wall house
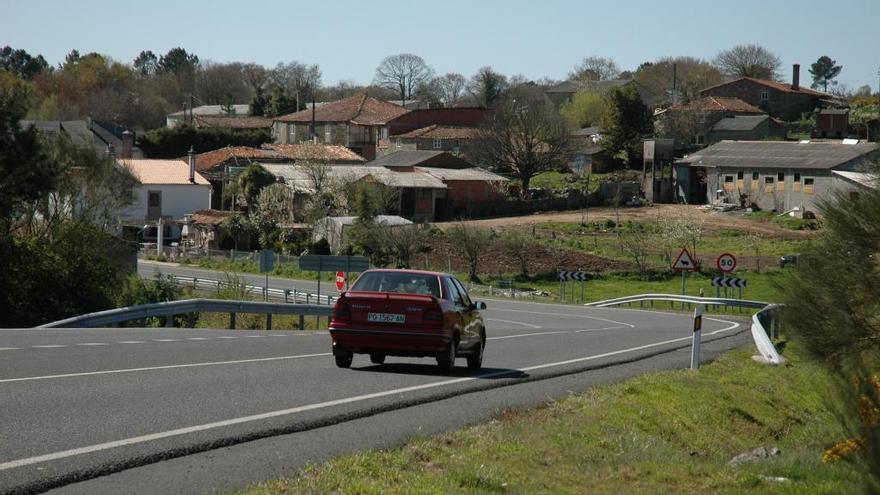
169	189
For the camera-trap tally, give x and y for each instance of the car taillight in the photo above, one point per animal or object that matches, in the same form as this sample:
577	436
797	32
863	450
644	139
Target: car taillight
433	317
341	311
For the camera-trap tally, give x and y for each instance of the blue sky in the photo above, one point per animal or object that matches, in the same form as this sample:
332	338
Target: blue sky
535	38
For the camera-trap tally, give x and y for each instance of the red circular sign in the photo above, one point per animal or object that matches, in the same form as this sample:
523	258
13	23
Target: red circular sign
726	262
340	281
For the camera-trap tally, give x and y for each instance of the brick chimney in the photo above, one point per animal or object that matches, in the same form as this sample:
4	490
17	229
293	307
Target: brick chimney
796	77
127	144
192	165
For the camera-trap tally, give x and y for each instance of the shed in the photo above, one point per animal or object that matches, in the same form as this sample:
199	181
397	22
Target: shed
334	229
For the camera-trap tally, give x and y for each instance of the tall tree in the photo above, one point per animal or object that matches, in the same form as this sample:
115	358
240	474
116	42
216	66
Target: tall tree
688	75
585	109
251	181
403	73
595	69
524	138
487	87
625	123
146	63
824	71
21	63
748	61
258	103
301	81
280	103
177	61
451	87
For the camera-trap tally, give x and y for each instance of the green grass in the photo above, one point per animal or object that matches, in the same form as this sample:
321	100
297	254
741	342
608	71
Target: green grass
283	269
560	182
791	223
669	432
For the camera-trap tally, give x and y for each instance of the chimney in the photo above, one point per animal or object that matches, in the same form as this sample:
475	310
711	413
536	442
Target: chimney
796	77
127	144
192	165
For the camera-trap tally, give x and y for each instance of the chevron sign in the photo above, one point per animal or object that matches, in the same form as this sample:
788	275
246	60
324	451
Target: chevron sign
568	275
728	282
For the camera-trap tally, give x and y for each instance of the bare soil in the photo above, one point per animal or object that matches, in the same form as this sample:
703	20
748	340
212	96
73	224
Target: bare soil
714	220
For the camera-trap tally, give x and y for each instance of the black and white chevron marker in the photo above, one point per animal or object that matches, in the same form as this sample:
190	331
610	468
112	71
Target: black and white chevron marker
569	275
728	282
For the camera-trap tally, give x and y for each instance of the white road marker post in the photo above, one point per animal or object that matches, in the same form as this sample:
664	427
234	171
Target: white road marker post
695	346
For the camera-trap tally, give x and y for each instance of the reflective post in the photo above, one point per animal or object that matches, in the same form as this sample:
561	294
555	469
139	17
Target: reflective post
695	346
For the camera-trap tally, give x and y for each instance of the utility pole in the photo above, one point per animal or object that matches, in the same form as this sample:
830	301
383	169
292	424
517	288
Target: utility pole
674	82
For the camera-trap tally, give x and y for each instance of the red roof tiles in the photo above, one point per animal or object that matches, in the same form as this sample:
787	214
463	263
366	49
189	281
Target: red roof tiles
358	109
440	132
720	104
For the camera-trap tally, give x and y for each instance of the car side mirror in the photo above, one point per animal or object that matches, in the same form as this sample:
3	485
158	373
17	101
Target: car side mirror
479	305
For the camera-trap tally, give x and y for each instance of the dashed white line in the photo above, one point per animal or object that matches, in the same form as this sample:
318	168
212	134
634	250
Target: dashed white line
93	343
322	405
197	338
227	337
252	336
514	322
527	335
166	340
9	348
47	346
131	342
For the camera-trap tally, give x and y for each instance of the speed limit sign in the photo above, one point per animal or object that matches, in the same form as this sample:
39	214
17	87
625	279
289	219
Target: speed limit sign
726	262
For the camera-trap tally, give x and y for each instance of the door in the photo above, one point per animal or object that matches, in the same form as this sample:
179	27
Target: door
468	321
154	205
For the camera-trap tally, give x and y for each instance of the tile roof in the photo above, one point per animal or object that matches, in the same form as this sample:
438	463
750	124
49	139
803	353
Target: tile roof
358	109
318	152
779	154
474	173
210	159
784	87
440	132
233	122
210	217
411	158
162	172
739	123
297	177
720	104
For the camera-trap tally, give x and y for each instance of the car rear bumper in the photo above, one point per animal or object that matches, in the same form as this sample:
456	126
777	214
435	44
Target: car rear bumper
391	342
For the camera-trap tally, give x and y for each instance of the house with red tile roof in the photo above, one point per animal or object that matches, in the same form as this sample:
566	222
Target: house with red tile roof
712	119
781	100
357	122
169	189
451	139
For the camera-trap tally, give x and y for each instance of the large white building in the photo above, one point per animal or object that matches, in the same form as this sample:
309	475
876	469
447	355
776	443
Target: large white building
168	189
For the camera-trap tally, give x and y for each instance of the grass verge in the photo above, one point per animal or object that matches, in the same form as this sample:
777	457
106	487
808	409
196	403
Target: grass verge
667	432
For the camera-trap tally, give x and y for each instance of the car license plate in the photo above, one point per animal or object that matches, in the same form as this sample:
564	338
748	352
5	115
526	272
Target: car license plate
385	318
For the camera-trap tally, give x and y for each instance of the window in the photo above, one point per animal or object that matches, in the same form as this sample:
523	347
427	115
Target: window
765	96
291	133
728	179
154	199
384	133
438	144
454	294
456	144
780	176
739	175
328	132
465	299
754	175
397	143
797	177
808	181
768	179
699	139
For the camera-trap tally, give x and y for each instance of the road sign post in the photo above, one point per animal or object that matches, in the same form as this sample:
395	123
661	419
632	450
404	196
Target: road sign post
695	345
575	276
267	264
684	263
340	281
322	263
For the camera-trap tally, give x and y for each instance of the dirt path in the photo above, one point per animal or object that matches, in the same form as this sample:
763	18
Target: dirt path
714	220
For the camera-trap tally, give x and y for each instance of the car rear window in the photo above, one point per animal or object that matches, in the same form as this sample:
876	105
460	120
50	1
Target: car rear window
406	283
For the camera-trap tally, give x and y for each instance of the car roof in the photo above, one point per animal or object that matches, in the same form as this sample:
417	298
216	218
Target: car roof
407	271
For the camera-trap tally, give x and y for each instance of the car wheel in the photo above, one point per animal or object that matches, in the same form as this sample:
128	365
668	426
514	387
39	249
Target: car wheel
475	360
377	358
344	361
446	359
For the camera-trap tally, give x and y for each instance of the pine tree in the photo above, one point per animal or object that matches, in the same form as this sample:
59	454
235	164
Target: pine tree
824	71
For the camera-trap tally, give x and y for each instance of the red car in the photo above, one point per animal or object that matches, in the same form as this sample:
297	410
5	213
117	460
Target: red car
408	313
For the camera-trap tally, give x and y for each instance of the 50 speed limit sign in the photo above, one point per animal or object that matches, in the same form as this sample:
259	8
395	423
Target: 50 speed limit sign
726	262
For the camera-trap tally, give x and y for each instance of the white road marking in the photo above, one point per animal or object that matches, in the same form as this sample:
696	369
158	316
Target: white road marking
9	348
252	336
226	337
514	322
527	335
93	343
131	342
197	338
570	315
596	329
321	405
167	367
166	340
47	346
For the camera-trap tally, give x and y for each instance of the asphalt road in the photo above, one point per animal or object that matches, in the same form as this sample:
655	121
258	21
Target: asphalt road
189	410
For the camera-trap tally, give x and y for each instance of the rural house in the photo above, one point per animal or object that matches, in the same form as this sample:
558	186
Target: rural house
358	123
773	175
169	189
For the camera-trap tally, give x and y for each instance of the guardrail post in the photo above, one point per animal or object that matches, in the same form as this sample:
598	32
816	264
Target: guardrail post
232	320
302	322
268	321
695	346
286	294
169	321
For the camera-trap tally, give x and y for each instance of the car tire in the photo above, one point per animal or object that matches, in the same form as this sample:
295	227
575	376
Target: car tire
475	359
377	358
446	359
344	361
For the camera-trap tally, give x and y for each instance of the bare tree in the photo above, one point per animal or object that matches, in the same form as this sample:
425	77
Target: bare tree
518	245
687	75
443	91
471	242
403	73
487	87
636	244
300	80
683	231
404	241
748	61
595	69
524	138
754	241
255	75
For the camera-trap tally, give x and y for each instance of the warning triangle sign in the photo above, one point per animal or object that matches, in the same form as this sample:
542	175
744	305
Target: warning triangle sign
684	262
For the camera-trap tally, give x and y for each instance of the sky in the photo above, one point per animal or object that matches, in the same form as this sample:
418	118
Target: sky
537	38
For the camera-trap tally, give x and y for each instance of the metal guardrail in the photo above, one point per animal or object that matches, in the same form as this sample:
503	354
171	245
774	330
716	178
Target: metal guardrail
766	316
292	295
172	308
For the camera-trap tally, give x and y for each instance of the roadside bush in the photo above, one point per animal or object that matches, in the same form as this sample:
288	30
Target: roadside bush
136	290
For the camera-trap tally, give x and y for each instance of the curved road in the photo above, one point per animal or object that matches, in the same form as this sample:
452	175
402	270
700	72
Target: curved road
249	405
